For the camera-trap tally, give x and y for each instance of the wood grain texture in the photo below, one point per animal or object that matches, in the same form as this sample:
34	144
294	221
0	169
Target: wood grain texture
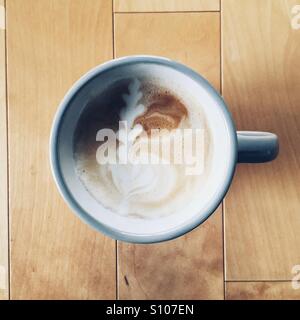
4	294
190	267
165	5
190	38
261	291
261	84
51	44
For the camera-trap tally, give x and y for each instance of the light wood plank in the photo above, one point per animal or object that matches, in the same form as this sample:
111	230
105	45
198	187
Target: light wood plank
262	87
190	38
190	267
51	44
261	291
4	294
165	5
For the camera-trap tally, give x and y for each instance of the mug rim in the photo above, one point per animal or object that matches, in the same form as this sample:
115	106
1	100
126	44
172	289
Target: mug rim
75	206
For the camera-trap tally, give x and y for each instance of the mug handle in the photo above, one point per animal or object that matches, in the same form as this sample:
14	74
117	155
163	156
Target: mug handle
255	146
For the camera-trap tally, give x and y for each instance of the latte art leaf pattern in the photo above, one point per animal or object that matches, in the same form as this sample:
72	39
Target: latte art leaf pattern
138	179
143	182
132	110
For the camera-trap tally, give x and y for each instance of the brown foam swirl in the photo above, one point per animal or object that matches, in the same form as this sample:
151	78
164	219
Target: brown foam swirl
165	112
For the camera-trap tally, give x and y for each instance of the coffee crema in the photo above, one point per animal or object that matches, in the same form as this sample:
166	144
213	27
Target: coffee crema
145	189
165	112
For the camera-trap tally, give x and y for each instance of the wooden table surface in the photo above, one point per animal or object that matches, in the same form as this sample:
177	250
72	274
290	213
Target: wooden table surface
248	50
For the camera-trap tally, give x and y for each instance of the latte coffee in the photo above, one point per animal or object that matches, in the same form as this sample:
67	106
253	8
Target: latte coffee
158	158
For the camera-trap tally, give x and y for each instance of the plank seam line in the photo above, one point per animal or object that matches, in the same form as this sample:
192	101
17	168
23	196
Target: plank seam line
7	159
139	12
113	31
257	281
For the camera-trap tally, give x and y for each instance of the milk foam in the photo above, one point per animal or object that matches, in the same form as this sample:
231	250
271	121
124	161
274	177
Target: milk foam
143	190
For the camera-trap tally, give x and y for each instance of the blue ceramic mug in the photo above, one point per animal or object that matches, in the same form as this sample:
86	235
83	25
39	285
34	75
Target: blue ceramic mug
230	146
